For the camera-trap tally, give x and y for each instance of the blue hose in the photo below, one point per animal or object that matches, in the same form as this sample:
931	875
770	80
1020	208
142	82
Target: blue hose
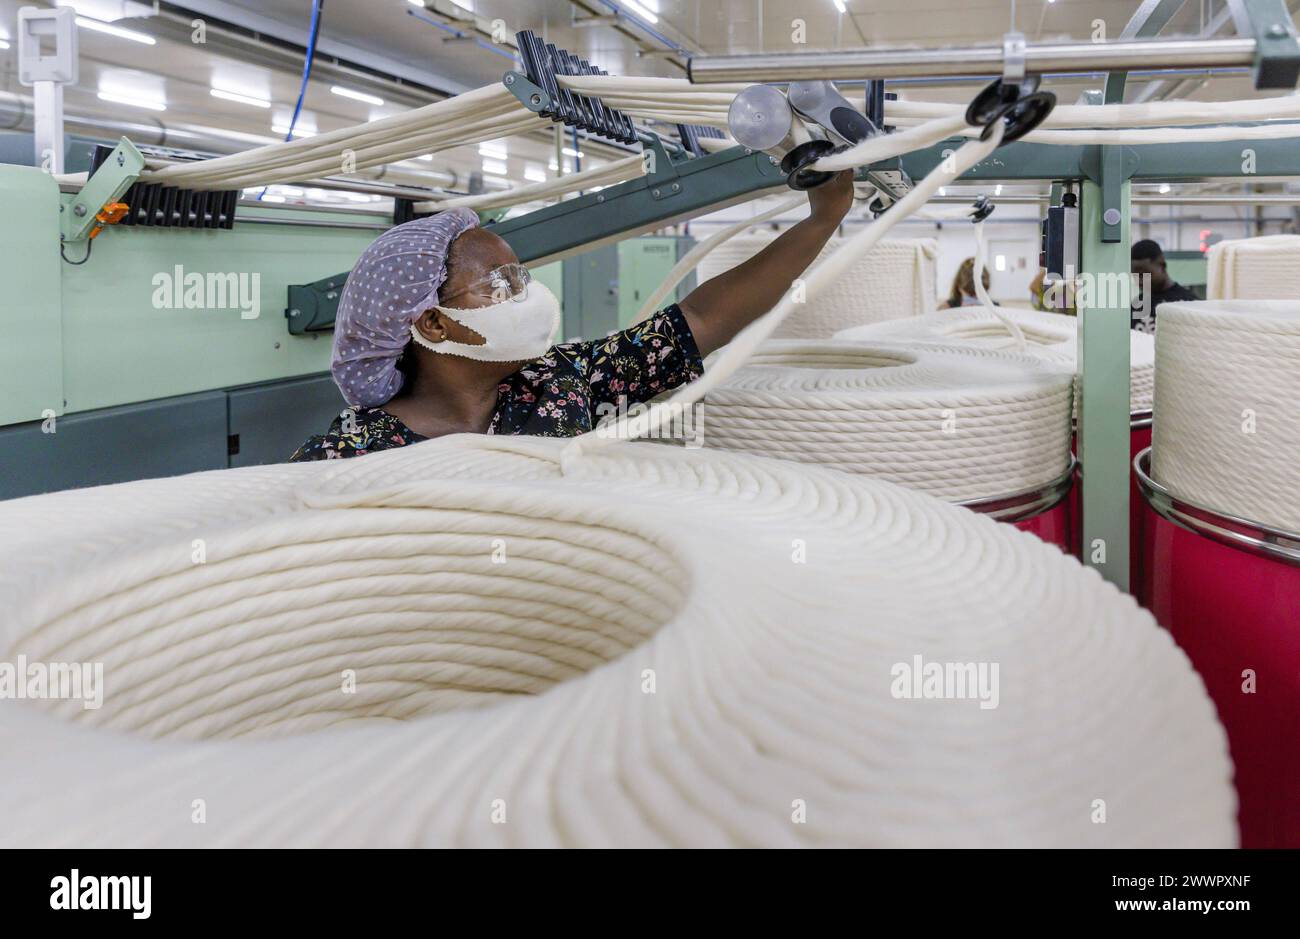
316	8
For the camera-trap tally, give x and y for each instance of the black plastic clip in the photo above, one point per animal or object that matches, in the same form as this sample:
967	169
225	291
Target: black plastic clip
543	61
691	134
982	209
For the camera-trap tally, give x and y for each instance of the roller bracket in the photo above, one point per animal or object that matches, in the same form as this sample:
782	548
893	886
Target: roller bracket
153	205
115	173
530	95
1013	99
1277	52
665	182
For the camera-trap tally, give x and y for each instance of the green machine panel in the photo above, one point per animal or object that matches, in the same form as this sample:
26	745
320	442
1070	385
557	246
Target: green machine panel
162	312
31	330
643	264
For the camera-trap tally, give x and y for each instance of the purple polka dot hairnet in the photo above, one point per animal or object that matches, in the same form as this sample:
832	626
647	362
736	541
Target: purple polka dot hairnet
396	279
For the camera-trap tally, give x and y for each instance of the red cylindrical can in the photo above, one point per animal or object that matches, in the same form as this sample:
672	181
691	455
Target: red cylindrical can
1049	511
1228	589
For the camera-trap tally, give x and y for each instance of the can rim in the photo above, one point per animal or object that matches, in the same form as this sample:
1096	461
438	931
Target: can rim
1136	419
1018	506
1244	534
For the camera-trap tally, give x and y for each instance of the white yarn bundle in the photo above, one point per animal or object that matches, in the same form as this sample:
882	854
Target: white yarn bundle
1226	432
1052	337
956	425
616	171
1266	268
895	279
624	655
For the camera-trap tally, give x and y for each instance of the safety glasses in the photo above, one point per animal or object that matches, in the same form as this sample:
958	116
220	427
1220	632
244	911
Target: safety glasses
507	282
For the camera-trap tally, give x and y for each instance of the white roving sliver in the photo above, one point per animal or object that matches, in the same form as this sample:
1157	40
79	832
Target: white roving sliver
894	279
646	666
1264	268
1052	337
616	171
956	425
1226	428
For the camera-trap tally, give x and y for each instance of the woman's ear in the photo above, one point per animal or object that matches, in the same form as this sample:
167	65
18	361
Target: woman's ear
430	325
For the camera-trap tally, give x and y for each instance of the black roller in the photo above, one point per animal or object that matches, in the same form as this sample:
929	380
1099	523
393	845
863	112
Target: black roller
796	176
1020	117
995	97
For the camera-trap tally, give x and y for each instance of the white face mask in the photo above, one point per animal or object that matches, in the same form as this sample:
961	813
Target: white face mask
516	330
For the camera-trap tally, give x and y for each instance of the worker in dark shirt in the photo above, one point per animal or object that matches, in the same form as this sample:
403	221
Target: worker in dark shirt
1149	264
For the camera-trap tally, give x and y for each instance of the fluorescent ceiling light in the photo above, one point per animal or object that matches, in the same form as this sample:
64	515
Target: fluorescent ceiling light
573	153
133	102
535	173
273	199
632	6
493	149
839	5
998	190
4	43
1165	187
85	22
428	157
241	99
357	95
495	167
283	129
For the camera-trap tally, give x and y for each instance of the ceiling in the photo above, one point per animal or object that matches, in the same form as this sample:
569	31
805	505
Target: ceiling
407	55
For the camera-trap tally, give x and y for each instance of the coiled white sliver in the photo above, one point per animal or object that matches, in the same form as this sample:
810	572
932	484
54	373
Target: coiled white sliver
1226	428
956	425
1265	268
518	690
894	279
1052	337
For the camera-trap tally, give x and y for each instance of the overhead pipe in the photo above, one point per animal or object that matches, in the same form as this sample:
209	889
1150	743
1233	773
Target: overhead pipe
973	61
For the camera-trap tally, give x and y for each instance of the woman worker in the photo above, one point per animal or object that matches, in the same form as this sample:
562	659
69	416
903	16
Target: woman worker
441	331
963	287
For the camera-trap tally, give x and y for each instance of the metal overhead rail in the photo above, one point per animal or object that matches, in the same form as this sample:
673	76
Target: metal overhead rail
987	61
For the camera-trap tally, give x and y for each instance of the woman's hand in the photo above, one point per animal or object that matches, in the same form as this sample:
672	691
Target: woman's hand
831	201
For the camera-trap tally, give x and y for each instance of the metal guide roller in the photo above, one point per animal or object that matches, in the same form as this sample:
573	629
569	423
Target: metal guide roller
803	125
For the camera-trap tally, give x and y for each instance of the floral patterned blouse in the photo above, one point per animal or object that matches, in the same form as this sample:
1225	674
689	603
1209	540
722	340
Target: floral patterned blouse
564	393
